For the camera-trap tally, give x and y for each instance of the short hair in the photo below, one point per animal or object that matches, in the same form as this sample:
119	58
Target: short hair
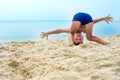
77	43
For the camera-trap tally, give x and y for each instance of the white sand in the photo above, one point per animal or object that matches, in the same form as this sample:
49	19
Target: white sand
54	60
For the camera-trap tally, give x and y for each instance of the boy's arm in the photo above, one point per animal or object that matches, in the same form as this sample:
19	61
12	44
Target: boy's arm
57	31
70	36
107	19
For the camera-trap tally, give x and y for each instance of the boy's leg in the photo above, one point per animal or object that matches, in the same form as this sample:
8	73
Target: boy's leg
88	29
73	29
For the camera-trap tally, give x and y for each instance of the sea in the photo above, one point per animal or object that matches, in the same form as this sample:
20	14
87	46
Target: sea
31	30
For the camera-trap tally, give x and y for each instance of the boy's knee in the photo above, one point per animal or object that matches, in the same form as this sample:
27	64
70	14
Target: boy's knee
72	31
89	38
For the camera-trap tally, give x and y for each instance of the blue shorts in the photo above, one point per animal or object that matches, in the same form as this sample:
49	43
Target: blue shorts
84	18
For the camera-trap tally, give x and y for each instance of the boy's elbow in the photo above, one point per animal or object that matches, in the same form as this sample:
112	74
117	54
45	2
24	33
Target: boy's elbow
94	21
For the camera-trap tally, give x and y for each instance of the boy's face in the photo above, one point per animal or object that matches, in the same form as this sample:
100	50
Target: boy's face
78	38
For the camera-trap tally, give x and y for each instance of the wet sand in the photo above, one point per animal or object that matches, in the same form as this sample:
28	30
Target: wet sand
55	60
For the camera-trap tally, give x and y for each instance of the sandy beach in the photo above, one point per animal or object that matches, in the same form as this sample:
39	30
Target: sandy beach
55	60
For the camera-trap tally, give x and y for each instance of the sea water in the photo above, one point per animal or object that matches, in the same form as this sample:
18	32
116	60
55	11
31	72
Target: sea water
30	30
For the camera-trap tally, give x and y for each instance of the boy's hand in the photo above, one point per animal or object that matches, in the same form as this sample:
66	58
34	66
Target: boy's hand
43	35
108	19
71	44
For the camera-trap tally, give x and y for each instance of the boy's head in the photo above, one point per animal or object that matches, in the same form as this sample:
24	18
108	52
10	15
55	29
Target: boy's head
78	39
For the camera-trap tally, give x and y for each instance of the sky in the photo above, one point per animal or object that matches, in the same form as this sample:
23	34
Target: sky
56	9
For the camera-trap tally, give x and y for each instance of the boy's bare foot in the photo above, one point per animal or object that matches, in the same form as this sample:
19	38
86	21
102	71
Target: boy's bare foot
105	43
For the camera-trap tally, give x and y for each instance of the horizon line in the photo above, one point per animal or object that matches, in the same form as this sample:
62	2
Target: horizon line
30	20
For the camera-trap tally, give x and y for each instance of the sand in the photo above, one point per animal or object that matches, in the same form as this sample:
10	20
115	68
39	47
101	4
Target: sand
55	60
